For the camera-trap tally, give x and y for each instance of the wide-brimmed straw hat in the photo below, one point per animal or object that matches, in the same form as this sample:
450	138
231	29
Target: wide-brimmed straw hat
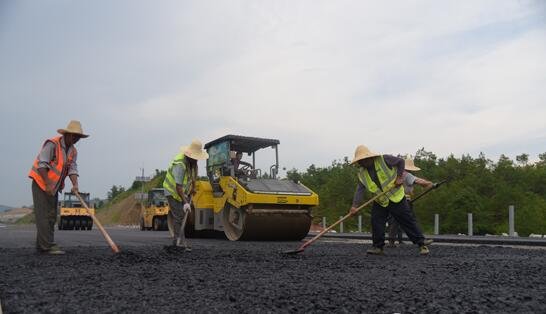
410	165
363	152
74	127
195	150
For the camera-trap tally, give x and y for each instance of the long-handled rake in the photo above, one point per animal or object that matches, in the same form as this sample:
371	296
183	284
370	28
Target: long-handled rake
306	244
182	231
97	222
435	186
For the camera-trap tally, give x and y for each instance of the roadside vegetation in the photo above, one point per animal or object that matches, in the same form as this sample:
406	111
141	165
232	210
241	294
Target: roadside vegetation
478	185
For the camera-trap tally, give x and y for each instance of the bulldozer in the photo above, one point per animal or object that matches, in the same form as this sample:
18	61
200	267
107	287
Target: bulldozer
246	203
73	215
153	216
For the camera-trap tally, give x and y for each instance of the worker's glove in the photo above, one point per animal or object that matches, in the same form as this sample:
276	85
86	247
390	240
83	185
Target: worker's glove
186	208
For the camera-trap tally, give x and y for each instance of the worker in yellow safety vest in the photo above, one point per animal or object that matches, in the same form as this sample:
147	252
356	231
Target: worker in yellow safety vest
410	180
179	185
378	173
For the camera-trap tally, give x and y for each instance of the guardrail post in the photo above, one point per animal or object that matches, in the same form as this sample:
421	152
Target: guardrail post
341	225
436	224
324	222
359	223
470	230
511	227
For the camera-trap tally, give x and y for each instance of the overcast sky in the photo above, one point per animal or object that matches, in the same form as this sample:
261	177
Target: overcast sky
145	77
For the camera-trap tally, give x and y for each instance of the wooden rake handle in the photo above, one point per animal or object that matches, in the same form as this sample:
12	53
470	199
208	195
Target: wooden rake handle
99	225
306	244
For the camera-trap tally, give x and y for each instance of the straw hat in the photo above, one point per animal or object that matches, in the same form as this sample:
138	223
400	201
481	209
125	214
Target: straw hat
410	165
195	150
363	152
74	127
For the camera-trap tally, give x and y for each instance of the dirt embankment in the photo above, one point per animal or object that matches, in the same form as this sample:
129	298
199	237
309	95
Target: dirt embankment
124	212
14	214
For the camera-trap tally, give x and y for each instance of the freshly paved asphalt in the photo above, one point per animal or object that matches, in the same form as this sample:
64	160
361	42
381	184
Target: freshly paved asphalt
220	276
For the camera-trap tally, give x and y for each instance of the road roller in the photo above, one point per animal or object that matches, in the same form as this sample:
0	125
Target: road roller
72	213
245	202
153	215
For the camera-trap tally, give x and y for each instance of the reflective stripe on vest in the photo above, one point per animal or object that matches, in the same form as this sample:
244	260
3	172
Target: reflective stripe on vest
57	167
169	183
387	177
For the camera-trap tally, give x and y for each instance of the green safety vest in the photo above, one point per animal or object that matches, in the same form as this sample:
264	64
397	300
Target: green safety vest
386	177
169	183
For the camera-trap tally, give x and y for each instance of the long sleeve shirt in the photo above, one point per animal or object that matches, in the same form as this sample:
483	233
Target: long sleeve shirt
392	162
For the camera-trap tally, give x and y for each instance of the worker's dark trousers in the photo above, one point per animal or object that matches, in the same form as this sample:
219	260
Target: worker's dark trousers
175	215
45	211
394	230
402	213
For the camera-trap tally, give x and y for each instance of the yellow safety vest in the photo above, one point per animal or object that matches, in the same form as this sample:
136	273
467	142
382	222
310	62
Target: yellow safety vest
387	177
169	183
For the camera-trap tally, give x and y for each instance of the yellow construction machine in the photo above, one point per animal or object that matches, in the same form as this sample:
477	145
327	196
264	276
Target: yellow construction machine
153	216
73	215
246	203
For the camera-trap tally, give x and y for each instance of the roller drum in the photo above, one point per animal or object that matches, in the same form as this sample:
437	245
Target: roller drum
266	224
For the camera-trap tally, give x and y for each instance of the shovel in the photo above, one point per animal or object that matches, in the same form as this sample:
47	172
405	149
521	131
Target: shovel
306	244
101	228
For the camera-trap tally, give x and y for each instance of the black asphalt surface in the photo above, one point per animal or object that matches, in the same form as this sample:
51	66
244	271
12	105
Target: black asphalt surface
229	277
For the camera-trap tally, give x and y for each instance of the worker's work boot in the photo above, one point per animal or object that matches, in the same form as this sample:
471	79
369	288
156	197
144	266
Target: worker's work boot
428	241
423	250
375	251
391	244
54	250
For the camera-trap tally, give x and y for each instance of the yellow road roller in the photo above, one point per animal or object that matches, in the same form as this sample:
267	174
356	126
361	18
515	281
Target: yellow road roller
153	216
245	202
73	215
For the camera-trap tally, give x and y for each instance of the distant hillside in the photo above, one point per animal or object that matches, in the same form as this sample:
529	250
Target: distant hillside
124	209
14	214
3	208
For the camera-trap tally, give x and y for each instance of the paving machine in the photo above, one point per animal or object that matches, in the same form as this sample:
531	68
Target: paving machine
153	216
73	215
246	203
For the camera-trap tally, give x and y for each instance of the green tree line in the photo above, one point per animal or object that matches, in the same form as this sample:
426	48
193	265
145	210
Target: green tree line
477	185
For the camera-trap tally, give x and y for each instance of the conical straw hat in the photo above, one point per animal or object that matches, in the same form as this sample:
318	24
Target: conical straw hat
195	150
410	165
363	152
74	127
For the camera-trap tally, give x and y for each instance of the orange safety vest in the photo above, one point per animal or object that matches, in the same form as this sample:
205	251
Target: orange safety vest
57	168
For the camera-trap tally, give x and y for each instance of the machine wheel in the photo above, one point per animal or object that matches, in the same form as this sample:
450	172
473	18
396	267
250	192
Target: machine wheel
155	224
170	225
60	225
83	223
90	224
234	222
164	226
77	224
142	228
70	225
